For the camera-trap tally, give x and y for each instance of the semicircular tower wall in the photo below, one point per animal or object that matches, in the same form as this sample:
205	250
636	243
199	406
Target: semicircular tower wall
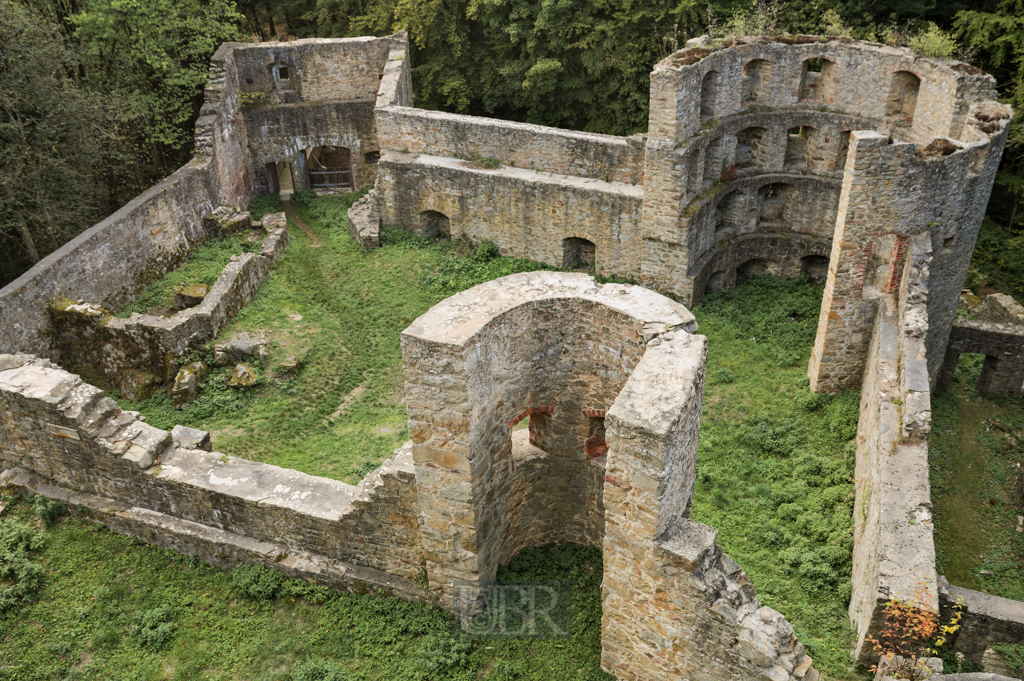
854	140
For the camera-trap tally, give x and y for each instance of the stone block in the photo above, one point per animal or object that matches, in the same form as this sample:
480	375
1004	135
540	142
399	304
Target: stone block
189	296
186	384
191	438
243	376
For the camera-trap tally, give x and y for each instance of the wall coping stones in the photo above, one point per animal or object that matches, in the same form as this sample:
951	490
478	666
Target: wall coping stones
455	320
511	173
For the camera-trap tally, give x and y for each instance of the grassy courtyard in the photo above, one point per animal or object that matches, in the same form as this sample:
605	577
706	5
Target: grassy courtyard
975	452
775	466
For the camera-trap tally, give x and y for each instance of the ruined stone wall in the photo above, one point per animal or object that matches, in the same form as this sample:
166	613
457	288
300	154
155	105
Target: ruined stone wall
998	333
894	551
893	190
521	145
54	425
315	69
92	342
986	619
327	100
526	213
555	348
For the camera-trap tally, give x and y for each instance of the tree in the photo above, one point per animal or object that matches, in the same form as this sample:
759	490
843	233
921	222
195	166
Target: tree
154	56
52	137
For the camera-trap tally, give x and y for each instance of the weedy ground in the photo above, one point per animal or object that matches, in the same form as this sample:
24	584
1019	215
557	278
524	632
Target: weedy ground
976	451
775	478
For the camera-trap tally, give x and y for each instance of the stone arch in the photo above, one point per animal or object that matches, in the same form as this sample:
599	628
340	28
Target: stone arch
902	100
815	267
718	281
435	225
754	267
751	147
756	74
578	253
817	83
709	95
552	344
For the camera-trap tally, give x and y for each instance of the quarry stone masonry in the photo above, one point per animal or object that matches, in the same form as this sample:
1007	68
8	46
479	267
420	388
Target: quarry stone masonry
861	165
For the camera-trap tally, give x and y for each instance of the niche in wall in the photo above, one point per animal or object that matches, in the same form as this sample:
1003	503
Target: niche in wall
818	80
708	95
902	100
756	74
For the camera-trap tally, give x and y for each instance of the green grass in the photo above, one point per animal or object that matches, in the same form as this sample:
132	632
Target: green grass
343	413
975	457
113	608
204	265
775	462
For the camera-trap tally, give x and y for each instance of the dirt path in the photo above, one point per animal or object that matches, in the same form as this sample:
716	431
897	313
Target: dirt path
314	240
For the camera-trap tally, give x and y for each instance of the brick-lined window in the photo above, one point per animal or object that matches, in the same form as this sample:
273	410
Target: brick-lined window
594	446
540	424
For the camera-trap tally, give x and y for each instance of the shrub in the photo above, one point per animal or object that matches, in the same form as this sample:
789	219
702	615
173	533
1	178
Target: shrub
364	467
442	653
153	628
20	578
265	204
842	413
318	670
257	582
487	251
303	198
722	376
46	510
811	401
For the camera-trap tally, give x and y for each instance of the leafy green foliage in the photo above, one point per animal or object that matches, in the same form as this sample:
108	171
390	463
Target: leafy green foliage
974	453
444	653
257	582
319	670
204	265
775	463
154	628
20	577
340	415
46	510
264	204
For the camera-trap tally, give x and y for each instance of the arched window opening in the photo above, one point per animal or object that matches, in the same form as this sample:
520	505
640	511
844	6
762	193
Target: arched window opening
753	268
713	161
818	79
578	254
750	147
903	97
844	150
283	181
815	267
330	168
435	225
708	95
756	74
773	204
801	145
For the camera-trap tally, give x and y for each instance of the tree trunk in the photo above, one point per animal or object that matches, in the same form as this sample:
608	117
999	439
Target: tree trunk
1013	213
270	19
26	236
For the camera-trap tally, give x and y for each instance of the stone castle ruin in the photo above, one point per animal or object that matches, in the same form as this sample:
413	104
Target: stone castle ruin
862	165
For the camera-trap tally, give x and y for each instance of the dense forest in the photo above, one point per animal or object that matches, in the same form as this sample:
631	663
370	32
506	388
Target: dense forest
98	97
